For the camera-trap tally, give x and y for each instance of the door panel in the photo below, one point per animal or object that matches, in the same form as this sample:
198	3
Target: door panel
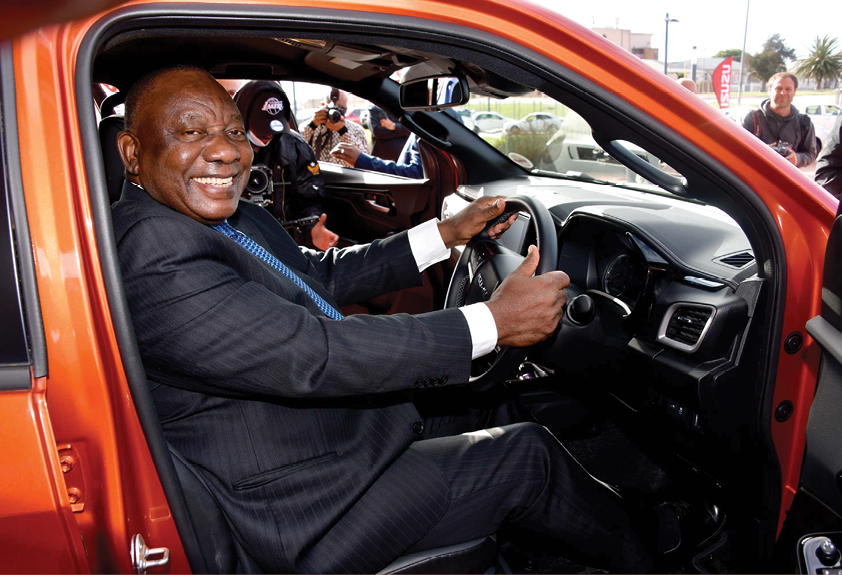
363	206
816	514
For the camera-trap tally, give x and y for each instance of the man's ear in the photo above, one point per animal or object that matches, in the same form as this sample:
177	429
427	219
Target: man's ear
129	146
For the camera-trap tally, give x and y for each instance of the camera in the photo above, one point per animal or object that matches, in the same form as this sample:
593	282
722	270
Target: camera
259	185
334	111
782	148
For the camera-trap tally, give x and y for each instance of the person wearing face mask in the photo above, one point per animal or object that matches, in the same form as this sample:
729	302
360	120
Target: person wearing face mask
298	186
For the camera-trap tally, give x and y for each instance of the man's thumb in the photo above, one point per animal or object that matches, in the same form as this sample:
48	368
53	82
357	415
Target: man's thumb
528	266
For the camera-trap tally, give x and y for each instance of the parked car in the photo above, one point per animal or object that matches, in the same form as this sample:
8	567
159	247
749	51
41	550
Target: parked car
354	115
466	115
702	361
572	149
534	123
823	117
488	121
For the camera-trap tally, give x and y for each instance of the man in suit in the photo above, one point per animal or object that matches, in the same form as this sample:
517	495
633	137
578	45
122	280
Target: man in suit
299	420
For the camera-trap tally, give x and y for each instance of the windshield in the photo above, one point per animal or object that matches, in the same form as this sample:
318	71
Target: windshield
539	133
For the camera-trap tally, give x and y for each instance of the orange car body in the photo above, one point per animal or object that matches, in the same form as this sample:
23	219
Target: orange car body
79	481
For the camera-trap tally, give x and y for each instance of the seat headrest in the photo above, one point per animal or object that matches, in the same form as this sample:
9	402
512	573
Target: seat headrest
114	171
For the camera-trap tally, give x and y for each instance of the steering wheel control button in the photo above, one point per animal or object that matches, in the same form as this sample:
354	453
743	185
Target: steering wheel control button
418	428
581	310
828	553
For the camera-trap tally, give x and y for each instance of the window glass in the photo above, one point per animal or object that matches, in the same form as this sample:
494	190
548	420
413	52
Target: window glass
541	133
13	347
833	110
813	110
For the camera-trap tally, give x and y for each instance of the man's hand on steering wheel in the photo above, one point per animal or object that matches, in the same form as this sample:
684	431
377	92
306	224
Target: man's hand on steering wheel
527	309
459	229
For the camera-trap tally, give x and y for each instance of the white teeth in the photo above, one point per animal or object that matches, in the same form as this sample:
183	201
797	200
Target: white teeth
215	181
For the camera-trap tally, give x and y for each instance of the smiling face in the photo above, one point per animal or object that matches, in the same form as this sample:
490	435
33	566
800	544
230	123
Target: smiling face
189	150
781	93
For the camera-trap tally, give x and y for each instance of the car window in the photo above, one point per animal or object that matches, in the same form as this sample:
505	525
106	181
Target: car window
813	110
13	346
561	141
833	110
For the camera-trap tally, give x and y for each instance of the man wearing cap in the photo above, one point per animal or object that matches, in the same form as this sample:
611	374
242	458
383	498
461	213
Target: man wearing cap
298	185
323	135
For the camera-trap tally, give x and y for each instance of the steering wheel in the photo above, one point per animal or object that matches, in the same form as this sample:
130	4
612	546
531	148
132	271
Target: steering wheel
484	265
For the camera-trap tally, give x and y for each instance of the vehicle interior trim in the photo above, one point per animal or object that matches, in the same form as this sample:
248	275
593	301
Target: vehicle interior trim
664	339
33	319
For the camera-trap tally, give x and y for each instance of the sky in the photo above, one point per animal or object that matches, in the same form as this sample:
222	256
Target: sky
710	26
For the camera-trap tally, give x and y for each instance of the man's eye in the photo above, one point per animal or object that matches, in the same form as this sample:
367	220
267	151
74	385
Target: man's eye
238	134
191	132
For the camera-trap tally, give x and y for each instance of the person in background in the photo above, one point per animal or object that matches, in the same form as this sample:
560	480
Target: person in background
829	164
323	135
781	125
408	165
688	83
388	134
298	186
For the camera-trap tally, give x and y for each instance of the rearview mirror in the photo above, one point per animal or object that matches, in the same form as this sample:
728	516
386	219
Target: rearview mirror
433	93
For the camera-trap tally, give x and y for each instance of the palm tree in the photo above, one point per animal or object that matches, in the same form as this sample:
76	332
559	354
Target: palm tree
823	64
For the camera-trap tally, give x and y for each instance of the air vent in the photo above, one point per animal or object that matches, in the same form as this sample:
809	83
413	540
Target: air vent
738	260
685	325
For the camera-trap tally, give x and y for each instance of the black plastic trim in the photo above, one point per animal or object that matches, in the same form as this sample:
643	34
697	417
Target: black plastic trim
32	317
751	213
15	378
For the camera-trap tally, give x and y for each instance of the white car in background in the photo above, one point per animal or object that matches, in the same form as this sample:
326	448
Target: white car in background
534	123
823	117
488	121
572	151
466	114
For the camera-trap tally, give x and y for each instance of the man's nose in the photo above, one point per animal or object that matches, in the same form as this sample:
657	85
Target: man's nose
220	148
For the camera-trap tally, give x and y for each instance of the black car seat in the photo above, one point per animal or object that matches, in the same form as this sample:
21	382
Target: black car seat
112	124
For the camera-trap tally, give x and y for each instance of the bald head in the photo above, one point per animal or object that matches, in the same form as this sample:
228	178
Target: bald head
185	143
688	83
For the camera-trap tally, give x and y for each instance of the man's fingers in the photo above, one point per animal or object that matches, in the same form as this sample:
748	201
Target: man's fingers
528	266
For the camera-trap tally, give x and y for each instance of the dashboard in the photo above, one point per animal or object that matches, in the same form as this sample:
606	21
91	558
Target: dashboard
674	284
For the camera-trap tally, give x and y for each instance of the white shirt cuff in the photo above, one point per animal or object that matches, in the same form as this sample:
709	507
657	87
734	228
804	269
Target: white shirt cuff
426	244
483	328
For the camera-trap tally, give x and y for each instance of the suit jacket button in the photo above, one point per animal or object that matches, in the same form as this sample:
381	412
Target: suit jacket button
418	428
419	382
444	380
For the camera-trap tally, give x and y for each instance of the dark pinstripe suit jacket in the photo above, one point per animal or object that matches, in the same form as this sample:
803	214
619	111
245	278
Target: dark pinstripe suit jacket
296	421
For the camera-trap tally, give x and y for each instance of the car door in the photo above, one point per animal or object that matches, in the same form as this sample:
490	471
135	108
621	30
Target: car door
816	513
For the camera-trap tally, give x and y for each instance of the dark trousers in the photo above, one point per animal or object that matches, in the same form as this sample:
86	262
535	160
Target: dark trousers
521	475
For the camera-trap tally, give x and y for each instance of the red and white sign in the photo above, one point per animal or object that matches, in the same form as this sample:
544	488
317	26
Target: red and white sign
722	82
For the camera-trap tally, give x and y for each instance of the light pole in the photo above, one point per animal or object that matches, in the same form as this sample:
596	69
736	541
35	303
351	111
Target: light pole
694	62
667	40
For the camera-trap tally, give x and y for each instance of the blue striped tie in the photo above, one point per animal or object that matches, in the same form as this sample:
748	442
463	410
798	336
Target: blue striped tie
257	250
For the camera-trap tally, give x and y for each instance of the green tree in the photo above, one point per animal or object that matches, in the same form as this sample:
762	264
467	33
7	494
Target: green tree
735	52
771	59
823	64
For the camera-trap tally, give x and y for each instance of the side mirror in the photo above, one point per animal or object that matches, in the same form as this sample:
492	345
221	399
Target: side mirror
434	93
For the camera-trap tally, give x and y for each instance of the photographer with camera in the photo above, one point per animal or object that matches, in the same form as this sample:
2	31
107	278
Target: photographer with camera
285	174
781	125
328	128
